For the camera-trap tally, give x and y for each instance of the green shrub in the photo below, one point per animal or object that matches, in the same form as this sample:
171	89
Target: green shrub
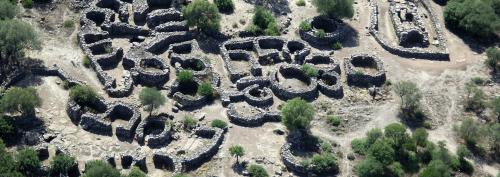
333	120
185	76
264	22
337	45
335	8
189	122
7	163
396	170
305	26
7	128
272	29
28	4
322	163
219	123
471	131
493	60
206	89
224	5
86	61
27	162
420	135
478	81
98	168
136	172
436	168
475	98
495	105
373	135
326	147
61	164
16	42
257	171
20	100
180	175
297	114
83	94
359	146
410	96
309	70
7	10
300	3
320	33
202	14
369	168
69	24
382	151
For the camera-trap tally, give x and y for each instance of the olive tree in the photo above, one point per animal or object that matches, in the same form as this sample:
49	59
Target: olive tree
21	100
410	97
16	37
296	115
202	14
151	98
335	8
237	151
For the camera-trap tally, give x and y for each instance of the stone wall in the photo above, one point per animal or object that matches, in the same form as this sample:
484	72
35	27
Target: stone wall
361	79
330	37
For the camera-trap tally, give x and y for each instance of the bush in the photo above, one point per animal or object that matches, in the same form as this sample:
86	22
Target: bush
410	97
495	105
475	98
206	89
202	14
337	45
27	162
476	17
320	33
436	168
224	5
86	62
471	131
309	70
7	163
322	163
136	172
333	120
28	4
257	171
493	60
301	3
61	164
305	26
396	170
180	175
420	135
296	114
17	41
98	168
478	81
68	24
264	22
397	133
185	76
7	10
219	123
83	94
151	98
369	168
382	151
189	122
7	128
359	146
373	135
335	8
21	100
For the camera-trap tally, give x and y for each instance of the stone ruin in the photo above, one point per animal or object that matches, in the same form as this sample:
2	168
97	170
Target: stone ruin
364	70
409	26
410	29
335	31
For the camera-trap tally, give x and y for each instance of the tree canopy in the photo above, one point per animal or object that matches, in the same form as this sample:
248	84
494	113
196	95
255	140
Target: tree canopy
98	168
237	151
335	8
264	22
83	94
7	10
202	14
22	100
493	60
61	164
477	17
257	171
296	114
28	162
15	37
151	98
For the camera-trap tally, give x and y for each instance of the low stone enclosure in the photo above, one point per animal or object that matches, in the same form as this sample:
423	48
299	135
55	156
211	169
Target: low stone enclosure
364	70
335	31
413	36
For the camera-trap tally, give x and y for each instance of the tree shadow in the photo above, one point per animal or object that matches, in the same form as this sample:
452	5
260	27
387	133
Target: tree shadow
352	37
475	43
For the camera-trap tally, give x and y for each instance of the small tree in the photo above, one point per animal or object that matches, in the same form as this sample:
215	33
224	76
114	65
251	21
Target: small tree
265	22
224	5
185	76
28	162
83	94
369	168
61	164
296	115
420	135
21	100
475	97
98	168
493	60
410	98
471	131
382	151
335	8
151	98
436	168
18	36
7	163
202	14
237	151
257	171
322	163
309	70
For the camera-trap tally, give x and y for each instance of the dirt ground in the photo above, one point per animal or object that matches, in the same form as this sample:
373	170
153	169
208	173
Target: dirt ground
440	81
